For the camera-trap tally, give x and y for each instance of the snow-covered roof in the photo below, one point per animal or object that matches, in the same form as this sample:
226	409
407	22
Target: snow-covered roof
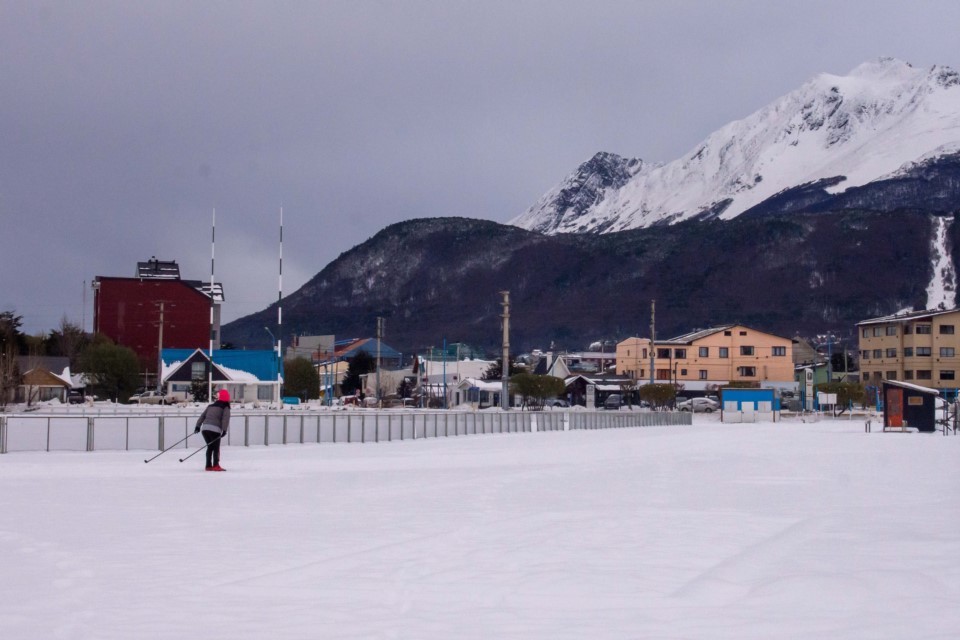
910	385
904	316
483	385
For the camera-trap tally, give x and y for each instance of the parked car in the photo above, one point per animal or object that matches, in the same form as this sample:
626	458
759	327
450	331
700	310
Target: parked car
152	397
613	401
699	405
557	403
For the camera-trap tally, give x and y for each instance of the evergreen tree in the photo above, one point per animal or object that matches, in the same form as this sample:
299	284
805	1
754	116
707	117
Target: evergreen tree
359	364
114	371
495	370
301	379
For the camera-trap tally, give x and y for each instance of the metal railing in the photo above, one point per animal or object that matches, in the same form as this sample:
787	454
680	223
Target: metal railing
157	431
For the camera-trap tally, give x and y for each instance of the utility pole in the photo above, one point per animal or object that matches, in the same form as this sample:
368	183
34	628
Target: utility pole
505	369
653	336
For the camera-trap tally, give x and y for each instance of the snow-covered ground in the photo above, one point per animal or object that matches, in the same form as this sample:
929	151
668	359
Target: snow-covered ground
789	530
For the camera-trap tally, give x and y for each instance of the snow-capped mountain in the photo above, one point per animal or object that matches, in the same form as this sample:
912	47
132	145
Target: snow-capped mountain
883	120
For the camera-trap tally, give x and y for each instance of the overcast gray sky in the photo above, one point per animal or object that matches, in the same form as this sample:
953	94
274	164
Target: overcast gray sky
124	124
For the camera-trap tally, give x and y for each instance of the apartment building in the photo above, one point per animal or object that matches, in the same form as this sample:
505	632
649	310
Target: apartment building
920	347
708	358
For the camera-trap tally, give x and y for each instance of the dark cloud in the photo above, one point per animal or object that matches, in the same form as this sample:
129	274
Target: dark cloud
122	125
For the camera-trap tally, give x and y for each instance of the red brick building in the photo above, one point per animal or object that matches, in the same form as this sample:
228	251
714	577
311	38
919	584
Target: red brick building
156	309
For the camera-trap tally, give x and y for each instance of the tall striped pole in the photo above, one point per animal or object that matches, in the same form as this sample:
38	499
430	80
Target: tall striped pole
213	253
280	306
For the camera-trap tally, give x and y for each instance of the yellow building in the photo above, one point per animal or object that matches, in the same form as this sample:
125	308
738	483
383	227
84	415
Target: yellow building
709	358
920	347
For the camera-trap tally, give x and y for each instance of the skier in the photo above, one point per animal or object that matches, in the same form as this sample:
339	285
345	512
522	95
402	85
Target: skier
215	422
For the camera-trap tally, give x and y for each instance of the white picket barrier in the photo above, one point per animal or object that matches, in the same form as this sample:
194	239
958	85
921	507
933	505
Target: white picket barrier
158	431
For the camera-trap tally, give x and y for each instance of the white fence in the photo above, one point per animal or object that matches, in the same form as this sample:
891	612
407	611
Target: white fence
153	431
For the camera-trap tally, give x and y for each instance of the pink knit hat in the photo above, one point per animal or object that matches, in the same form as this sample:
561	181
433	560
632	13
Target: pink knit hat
223	395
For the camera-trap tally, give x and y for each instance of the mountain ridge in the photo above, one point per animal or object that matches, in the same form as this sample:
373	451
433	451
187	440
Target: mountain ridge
873	124
436	279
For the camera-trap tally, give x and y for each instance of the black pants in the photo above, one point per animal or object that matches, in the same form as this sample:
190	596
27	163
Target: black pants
212	439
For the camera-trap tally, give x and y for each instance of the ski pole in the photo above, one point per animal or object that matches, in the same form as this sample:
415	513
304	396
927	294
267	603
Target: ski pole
167	449
201	448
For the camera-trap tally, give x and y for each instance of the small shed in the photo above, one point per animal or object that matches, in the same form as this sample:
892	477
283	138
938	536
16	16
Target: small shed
749	405
909	405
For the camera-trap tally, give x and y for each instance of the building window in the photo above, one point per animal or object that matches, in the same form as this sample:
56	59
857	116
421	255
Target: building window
891	375
907	329
866	333
877	331
663	354
663	374
779	351
892	330
877	375
679	353
264	392
683	372
866	354
891	353
724	352
924	329
746	351
198	370
703	374
644	353
704	352
948	374
878	353
728	333
923	374
946	329
747	372
923	351
947	352
908	352
743	333
908	375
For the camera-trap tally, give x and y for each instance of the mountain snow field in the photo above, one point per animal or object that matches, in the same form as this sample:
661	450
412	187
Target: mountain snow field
883	118
787	530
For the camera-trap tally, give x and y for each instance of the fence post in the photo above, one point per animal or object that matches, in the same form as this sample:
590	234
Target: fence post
266	430
90	434
3	434
246	431
301	428
284	429
160	433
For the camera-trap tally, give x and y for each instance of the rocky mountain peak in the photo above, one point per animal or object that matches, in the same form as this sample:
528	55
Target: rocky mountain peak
843	132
